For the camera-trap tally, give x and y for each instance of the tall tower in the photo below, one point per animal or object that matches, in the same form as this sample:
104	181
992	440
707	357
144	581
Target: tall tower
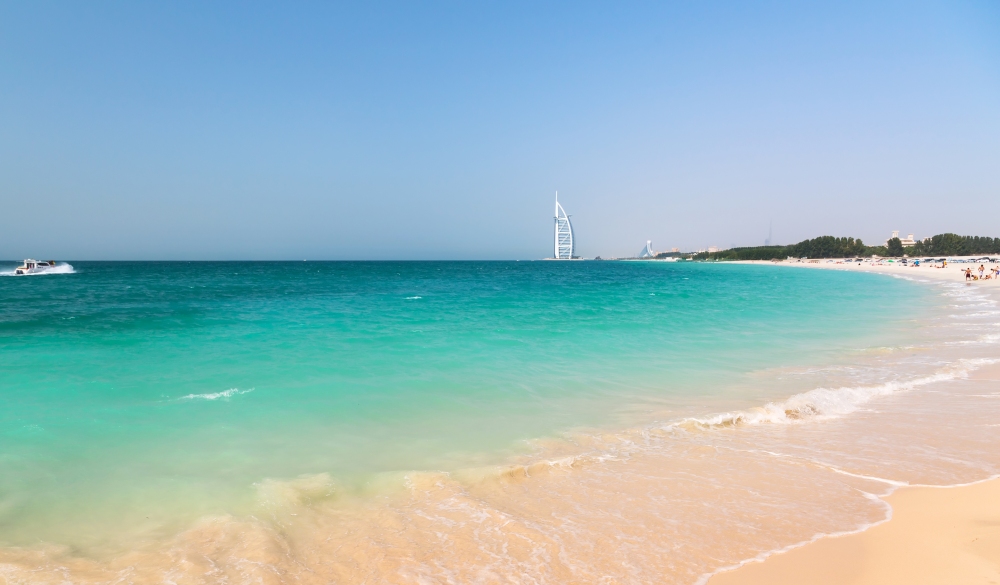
565	245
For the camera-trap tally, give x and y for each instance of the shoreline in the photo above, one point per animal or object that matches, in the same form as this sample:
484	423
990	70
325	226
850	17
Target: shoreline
931	534
934	534
953	273
676	497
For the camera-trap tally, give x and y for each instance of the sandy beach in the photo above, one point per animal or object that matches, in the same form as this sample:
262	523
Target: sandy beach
935	535
952	273
814	400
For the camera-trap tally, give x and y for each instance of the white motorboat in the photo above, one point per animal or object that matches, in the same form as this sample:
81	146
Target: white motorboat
34	267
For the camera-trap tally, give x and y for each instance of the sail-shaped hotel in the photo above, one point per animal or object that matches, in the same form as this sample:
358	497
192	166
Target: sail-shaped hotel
565	244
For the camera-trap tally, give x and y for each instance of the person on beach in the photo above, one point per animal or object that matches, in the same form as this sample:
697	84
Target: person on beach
981	269
968	274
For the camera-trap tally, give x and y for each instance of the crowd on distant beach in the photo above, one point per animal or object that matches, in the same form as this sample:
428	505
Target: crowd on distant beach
989	267
994	273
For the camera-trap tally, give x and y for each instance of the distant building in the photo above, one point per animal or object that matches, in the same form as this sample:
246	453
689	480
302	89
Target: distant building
713	249
907	241
565	244
675	249
648	252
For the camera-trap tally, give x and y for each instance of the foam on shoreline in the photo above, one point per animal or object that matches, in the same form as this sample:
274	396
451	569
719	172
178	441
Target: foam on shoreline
672	501
806	567
943	534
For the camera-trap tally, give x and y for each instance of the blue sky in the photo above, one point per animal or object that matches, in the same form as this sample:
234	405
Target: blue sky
134	130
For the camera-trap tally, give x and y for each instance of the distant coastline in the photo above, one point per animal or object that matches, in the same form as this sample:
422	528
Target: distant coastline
832	247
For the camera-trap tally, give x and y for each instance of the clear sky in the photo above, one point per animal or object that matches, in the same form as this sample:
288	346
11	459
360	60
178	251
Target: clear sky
213	130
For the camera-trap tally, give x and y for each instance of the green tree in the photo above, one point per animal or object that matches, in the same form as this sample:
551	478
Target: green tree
832	247
956	245
894	247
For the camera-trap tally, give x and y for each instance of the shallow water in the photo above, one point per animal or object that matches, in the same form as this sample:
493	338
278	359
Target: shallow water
470	422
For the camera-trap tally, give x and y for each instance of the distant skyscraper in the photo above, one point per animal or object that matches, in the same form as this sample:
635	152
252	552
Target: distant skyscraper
648	252
565	244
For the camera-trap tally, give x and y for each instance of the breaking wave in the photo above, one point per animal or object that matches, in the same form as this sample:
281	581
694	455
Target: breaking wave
668	502
988	338
820	403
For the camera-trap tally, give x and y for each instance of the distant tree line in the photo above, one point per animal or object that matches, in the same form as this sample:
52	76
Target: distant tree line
955	245
831	247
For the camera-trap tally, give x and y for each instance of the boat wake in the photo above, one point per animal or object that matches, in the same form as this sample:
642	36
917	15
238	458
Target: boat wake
63	268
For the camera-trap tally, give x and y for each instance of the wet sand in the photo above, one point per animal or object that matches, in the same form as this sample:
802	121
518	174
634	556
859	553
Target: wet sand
936	535
666	502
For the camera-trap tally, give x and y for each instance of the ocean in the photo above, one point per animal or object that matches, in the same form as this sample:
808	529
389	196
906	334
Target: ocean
460	422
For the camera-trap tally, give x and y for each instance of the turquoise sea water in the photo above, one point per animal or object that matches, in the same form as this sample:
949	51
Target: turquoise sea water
139	396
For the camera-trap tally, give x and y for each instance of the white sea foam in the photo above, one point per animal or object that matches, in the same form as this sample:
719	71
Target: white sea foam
226	394
413	298
979	314
61	268
989	338
829	402
704	578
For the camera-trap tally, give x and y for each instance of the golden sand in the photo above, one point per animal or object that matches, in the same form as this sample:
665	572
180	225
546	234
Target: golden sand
936	535
939	536
664	503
